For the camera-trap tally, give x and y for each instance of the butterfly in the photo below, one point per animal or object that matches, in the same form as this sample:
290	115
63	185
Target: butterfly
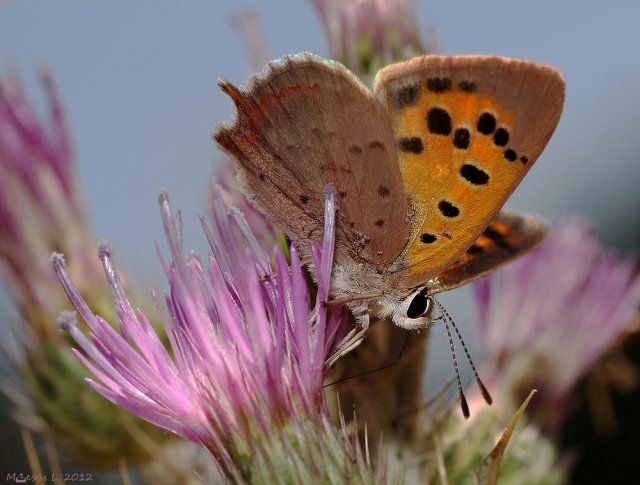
421	165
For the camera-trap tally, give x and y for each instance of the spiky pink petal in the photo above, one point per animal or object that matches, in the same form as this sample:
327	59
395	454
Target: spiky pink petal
246	348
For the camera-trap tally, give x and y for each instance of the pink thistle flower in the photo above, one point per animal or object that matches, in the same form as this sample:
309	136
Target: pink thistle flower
39	204
247	355
366	35
226	184
41	210
546	318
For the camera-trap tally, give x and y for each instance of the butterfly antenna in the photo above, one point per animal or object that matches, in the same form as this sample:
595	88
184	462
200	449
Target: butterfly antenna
384	367
483	389
463	400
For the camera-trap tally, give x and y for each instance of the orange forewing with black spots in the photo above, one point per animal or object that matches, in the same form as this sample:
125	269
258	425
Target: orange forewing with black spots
467	128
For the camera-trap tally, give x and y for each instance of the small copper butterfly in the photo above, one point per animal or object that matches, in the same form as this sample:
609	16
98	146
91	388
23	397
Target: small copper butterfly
421	166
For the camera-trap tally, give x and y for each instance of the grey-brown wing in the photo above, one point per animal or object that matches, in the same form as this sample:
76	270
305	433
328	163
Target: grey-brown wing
507	236
303	123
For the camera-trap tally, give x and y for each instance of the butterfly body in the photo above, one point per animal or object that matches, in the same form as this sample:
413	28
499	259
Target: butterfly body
421	167
351	278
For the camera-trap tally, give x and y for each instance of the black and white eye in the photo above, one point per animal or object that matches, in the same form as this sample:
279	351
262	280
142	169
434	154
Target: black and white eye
419	305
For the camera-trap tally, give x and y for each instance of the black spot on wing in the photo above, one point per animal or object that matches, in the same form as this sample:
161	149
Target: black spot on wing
438	84
461	138
428	238
474	175
467	86
439	121
510	155
411	145
474	249
447	209
406	96
501	137
498	238
486	123
383	191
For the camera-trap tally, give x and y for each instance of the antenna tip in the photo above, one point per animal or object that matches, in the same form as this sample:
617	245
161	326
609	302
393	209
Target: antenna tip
485	393
465	406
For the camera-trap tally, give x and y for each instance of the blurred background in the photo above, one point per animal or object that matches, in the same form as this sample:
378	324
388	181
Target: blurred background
138	82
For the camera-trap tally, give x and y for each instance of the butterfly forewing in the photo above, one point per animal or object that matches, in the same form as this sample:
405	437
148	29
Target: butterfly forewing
304	123
467	129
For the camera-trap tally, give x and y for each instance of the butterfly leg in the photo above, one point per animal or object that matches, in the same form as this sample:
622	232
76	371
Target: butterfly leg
433	320
352	340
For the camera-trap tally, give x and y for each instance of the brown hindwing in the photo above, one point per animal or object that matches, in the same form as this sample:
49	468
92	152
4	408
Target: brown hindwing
304	123
506	237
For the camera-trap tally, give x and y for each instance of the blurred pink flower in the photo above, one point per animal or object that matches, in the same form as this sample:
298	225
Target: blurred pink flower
39	204
247	354
546	318
226	184
366	35
41	210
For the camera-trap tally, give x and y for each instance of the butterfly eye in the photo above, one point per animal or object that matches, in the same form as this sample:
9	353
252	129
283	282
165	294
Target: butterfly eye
419	305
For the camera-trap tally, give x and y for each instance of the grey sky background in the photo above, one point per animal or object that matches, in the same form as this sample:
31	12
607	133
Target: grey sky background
138	80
